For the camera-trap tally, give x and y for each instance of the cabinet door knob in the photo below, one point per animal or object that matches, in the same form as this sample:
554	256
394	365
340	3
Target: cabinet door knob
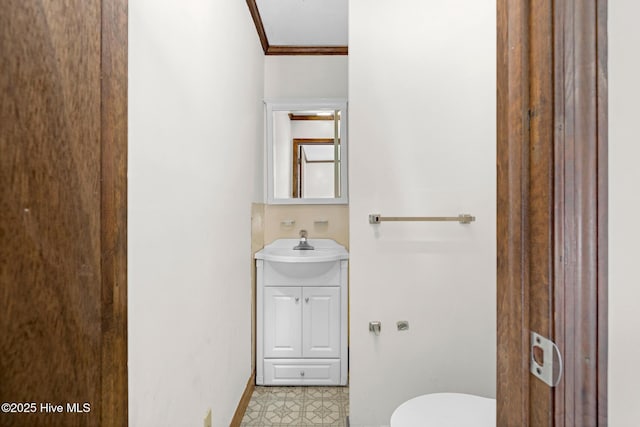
297	299
306	299
302	373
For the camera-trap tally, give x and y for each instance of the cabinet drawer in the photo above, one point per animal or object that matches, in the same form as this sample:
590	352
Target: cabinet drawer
302	371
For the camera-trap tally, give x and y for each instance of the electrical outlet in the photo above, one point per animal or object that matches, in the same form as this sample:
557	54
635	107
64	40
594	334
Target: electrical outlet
207	419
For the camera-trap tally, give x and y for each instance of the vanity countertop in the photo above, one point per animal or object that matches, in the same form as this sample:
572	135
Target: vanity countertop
282	250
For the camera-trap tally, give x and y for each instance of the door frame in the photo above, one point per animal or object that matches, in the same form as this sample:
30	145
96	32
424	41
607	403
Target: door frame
552	208
65	296
578	222
296	161
113	212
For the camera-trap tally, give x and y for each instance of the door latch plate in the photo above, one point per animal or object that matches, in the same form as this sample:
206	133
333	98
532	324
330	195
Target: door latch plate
546	360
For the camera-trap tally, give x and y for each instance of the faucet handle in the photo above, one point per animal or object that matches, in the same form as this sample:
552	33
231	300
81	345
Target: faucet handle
304	244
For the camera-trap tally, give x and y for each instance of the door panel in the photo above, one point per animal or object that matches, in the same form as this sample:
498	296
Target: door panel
63	211
282	322
321	322
552	211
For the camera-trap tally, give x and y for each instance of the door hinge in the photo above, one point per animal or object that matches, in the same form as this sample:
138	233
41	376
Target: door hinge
546	360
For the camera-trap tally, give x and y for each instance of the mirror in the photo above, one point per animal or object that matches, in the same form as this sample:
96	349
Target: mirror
306	152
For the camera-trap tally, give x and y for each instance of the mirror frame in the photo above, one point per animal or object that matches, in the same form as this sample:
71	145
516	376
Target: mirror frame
272	106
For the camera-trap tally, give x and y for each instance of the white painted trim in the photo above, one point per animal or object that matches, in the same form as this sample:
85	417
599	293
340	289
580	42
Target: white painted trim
344	321
259	322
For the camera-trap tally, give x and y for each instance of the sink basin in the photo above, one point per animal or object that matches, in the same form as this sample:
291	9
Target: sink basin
326	250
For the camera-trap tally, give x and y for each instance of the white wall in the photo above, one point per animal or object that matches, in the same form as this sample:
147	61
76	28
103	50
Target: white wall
624	203
305	77
422	142
195	166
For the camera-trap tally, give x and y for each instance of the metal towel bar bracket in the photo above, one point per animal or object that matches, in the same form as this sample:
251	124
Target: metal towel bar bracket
462	218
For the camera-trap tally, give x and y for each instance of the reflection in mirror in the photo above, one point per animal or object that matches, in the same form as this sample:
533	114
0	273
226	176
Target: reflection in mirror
314	168
306	152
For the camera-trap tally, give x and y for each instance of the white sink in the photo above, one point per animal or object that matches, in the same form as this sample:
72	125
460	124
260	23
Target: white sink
325	250
286	266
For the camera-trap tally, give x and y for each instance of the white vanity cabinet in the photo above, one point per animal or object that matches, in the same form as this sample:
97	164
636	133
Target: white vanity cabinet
301	322
301	314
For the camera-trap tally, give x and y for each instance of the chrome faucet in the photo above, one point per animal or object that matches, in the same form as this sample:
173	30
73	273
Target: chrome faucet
303	245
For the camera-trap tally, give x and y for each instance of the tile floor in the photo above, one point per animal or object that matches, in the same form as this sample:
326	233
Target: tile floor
298	406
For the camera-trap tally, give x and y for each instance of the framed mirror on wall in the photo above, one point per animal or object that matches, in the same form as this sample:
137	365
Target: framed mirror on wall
306	143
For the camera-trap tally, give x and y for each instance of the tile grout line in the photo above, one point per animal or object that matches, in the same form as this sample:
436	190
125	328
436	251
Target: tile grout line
269	396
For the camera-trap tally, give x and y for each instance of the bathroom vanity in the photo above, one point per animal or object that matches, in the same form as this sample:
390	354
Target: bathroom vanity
301	314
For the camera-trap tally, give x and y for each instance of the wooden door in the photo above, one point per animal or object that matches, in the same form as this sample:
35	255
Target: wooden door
552	199
321	322
282	322
63	129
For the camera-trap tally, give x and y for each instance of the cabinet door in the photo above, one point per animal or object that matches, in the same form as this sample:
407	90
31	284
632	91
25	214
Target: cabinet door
321	322
282	322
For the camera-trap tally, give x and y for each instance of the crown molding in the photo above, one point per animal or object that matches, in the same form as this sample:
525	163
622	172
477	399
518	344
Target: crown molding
289	50
307	50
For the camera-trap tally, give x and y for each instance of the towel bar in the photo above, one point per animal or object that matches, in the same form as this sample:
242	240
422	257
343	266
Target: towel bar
462	218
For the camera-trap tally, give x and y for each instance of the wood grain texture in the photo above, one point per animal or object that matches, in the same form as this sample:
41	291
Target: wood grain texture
512	384
307	50
603	211
268	49
113	212
52	183
540	203
257	20
244	401
50	252
552	234
308	117
579	177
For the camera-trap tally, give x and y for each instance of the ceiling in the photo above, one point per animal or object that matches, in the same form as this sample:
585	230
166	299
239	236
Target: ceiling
301	27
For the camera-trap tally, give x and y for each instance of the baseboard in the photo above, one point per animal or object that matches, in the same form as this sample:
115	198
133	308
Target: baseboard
244	401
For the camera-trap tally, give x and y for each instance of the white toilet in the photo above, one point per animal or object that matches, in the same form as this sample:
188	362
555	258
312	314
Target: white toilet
446	410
